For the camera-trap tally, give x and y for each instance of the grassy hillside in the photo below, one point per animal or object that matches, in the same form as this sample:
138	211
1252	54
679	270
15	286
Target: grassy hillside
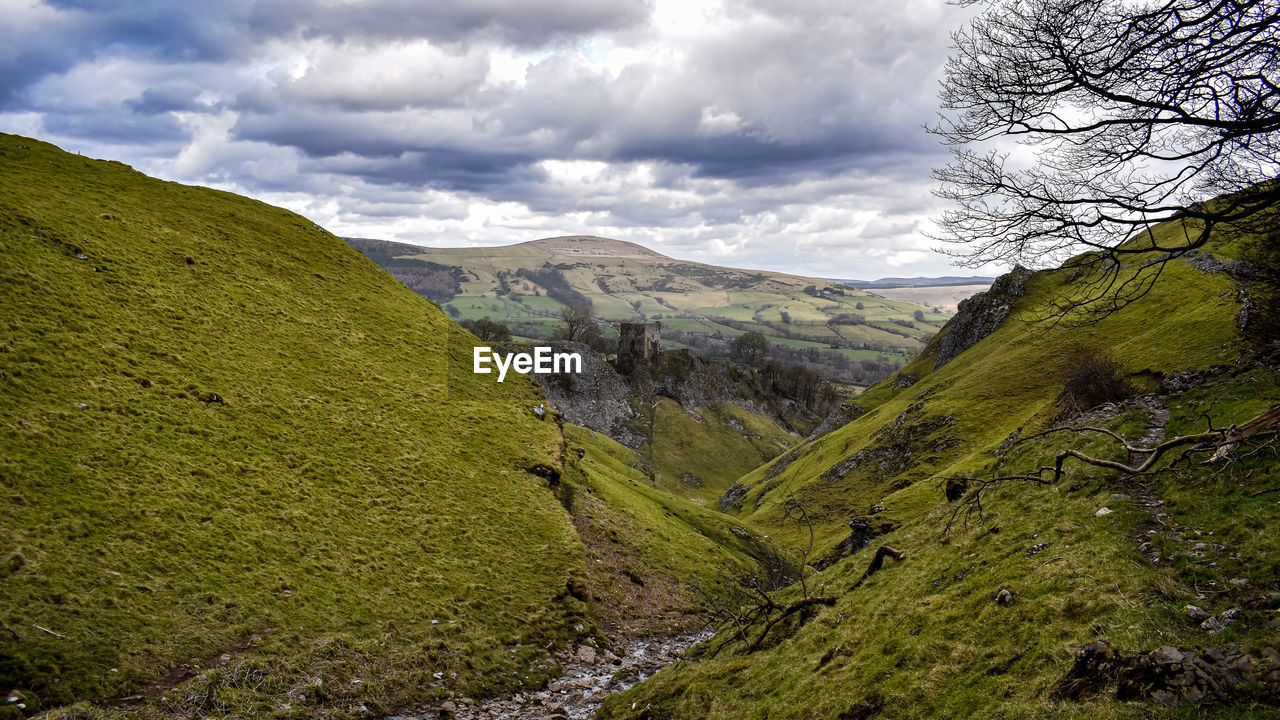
700	306
653	558
235	449
926	636
700	455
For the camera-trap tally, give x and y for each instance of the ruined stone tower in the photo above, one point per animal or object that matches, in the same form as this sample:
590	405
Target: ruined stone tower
637	345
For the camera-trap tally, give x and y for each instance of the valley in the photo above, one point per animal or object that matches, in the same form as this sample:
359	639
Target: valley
249	472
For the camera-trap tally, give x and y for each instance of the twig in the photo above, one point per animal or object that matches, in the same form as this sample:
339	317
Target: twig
49	631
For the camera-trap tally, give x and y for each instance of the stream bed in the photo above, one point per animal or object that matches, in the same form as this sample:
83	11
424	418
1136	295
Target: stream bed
590	675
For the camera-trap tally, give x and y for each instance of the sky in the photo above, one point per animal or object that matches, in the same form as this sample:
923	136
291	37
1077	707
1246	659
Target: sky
773	134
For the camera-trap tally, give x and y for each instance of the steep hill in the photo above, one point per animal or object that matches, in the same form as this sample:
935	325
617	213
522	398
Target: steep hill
700	306
246	473
1002	585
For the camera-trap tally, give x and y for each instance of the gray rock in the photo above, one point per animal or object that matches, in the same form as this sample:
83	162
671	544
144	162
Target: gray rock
733	497
1216	625
1196	613
1102	511
1004	597
539	410
1167	655
1117	497
596	398
980	315
841	416
586	654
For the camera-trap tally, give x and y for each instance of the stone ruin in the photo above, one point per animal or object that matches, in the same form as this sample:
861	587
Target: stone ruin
638	345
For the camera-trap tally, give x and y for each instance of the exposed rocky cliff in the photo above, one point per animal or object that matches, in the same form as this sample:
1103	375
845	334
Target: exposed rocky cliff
597	398
980	315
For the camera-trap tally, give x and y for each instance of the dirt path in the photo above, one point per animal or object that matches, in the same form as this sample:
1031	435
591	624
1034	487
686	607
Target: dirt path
1137	490
590	675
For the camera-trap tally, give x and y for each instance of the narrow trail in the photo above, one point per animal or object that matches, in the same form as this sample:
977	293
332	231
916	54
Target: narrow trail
1137	490
590	675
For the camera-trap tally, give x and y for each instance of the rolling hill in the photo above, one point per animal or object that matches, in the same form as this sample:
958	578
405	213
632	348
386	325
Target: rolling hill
248	474
1007	590
702	307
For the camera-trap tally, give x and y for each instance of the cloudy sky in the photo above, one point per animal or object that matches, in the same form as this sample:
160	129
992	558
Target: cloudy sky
779	134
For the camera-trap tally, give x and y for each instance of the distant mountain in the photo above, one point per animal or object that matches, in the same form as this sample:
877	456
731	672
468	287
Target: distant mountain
892	282
843	331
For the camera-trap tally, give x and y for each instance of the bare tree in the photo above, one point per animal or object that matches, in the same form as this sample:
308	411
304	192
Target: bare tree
1134	112
578	323
749	348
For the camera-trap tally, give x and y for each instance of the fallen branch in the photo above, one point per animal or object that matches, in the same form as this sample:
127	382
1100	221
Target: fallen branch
1219	442
792	609
884	551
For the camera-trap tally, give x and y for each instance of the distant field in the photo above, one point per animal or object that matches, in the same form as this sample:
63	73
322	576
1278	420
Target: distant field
846	332
945	298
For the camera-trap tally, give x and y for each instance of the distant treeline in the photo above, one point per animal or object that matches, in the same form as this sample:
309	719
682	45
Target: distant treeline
558	288
437	282
790	332
830	363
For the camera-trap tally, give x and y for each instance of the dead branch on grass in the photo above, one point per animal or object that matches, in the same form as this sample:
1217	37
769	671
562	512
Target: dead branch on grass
1218	443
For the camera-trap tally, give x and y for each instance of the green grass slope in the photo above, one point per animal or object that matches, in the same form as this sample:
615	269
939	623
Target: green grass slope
229	441
700	456
925	637
654	559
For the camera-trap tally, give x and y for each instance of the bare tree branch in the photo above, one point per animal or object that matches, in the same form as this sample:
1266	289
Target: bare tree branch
1135	114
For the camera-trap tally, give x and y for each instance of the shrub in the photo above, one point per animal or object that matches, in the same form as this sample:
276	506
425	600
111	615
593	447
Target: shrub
1091	378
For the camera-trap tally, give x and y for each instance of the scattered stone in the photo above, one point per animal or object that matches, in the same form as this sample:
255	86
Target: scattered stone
1117	497
1004	597
1239	581
1216	625
587	654
539	410
448	707
734	423
1170	676
1102	511
733	497
1037	549
691	480
82	406
1196	613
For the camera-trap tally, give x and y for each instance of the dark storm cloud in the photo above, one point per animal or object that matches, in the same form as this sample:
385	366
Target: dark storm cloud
113	126
166	98
73	31
518	22
768	119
